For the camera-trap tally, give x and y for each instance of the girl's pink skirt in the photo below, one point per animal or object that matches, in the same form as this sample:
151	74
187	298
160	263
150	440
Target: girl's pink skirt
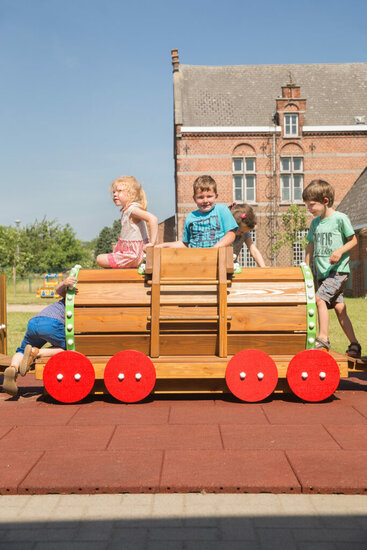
126	254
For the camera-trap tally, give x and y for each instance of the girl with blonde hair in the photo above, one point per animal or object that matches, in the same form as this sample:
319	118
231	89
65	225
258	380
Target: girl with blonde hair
128	194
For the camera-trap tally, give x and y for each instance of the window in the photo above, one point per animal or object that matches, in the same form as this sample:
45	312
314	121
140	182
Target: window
290	125
299	252
291	179
244	179
244	258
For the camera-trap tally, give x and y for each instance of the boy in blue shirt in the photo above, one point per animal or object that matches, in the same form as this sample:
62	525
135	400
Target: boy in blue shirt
211	225
330	238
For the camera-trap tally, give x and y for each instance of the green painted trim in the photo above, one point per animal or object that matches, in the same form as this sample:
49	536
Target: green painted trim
69	311
311	306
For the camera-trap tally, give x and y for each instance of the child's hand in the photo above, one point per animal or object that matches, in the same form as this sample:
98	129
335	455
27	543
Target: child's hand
148	245
69	282
335	257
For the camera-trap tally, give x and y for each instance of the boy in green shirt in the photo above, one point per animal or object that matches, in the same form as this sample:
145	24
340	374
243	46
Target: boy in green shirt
330	238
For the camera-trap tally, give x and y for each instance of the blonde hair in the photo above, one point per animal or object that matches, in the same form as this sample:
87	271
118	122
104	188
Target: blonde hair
133	188
243	214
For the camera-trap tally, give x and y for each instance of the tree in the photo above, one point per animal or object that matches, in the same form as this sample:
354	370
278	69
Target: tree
293	221
107	237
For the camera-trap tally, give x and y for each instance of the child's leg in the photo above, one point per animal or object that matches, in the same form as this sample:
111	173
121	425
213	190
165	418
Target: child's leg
102	260
323	319
345	322
49	352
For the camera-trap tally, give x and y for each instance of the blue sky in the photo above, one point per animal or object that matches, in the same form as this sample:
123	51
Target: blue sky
86	89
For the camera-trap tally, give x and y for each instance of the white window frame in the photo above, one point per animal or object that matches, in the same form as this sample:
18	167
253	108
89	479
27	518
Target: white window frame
291	172
244	174
244	258
299	253
289	119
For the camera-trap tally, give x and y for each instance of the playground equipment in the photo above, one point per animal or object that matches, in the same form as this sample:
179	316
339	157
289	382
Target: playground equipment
190	325
50	282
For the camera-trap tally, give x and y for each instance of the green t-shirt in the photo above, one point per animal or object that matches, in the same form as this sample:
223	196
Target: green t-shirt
327	235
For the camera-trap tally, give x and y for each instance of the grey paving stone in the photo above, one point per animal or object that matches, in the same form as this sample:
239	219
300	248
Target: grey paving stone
184	533
236	529
95	531
39	535
221	545
330	535
17	545
275	538
72	546
127	534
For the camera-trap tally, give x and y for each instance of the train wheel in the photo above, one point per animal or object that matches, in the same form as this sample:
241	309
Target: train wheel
251	375
313	375
68	376
130	376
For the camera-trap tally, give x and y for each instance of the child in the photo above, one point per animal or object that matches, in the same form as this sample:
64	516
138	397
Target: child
330	238
47	326
246	220
128	194
211	225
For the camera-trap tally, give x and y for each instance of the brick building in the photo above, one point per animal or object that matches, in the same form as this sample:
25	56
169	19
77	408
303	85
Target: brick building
264	132
354	204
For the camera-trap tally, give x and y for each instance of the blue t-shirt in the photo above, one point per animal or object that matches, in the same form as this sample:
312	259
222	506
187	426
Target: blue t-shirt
205	229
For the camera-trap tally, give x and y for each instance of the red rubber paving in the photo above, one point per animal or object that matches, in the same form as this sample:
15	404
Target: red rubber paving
183	444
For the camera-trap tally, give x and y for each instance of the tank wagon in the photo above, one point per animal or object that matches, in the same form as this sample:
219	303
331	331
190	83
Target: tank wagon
189	324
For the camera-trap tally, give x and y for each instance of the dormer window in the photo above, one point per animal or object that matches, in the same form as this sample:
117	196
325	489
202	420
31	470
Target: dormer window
291	124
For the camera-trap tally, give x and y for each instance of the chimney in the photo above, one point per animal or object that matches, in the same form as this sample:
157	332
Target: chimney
175	60
291	90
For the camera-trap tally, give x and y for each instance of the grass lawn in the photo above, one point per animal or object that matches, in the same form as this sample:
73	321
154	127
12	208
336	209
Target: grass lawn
357	310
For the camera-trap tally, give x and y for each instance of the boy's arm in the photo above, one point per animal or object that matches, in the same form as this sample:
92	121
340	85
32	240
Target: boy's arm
172	244
338	253
63	286
309	253
227	240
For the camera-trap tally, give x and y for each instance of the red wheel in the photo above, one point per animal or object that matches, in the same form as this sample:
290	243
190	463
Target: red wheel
68	376
251	375
313	375
129	376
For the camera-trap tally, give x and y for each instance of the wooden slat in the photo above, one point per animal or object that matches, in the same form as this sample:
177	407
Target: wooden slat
109	275
222	302
269	274
114	294
112	319
187	344
155	305
267	292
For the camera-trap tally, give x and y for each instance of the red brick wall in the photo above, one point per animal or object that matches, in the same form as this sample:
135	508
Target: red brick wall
339	159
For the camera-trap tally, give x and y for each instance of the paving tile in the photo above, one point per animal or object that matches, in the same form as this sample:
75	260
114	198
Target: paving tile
349	437
61	438
97	415
245	414
227	471
4	430
330	535
35	415
334	412
337	472
94	471
166	436
14	468
277	436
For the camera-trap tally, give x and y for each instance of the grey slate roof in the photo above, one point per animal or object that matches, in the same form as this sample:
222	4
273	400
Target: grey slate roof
244	95
354	204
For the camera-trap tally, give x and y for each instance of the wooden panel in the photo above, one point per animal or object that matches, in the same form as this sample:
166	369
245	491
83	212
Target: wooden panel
269	274
222	302
109	275
117	294
189	263
111	319
267	292
155	303
268	318
188	344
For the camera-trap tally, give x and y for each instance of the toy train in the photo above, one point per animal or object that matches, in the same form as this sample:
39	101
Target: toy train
189	324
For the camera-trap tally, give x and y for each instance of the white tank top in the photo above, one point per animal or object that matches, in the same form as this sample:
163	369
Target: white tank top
131	231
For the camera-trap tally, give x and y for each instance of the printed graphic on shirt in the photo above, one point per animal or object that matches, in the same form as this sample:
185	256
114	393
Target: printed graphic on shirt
205	233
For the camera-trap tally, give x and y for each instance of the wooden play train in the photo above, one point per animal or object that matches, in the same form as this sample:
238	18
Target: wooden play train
189	324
